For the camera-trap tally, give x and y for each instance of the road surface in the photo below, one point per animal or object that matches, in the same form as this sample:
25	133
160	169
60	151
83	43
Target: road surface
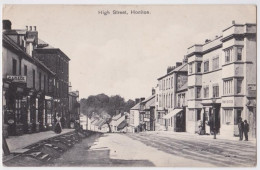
158	149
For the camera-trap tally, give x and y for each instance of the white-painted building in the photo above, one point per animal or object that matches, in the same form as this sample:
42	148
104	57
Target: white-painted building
222	81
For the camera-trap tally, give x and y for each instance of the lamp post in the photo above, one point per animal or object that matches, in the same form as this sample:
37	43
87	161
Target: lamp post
214	116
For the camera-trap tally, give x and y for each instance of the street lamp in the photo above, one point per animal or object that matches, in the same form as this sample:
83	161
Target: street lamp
214	116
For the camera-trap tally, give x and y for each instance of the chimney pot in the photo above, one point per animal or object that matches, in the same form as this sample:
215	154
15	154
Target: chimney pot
26	28
7	24
233	22
34	28
30	28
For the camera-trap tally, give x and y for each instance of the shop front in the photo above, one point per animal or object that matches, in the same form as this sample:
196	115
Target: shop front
210	118
14	106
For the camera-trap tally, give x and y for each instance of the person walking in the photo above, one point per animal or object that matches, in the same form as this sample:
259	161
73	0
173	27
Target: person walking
58	124
240	128
246	130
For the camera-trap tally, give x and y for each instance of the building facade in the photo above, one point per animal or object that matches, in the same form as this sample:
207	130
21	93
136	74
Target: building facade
221	81
74	109
27	84
57	62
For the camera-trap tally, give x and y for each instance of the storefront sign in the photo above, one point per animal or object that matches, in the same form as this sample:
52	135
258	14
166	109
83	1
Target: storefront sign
227	101
18	79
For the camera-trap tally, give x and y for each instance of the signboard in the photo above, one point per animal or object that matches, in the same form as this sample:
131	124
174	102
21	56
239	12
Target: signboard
17	79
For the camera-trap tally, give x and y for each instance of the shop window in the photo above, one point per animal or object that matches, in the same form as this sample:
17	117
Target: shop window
14	66
40	81
227	116
206	92
198	92
206	66
191	115
237	115
216	63
239	53
215	91
18	111
198	114
191	92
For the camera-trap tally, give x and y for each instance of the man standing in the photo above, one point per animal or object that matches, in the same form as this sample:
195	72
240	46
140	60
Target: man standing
240	128
246	130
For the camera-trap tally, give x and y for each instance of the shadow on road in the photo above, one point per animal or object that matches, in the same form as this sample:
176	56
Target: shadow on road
81	155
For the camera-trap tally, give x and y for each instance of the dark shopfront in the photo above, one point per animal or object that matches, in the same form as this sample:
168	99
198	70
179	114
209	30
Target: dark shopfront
211	117
14	107
23	109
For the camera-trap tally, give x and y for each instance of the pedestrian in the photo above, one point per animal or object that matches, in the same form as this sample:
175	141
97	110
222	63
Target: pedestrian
246	130
57	128
240	128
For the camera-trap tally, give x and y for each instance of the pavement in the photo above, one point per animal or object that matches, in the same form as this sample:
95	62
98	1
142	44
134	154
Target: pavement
17	143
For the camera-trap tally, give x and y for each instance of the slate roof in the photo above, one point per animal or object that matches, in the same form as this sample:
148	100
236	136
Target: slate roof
136	107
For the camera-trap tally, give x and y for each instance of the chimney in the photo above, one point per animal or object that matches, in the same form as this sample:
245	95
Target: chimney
7	25
185	59
142	99
34	28
153	91
30	28
178	64
207	40
26	28
137	100
233	22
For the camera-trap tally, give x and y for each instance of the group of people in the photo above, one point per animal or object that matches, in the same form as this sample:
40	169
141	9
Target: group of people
243	128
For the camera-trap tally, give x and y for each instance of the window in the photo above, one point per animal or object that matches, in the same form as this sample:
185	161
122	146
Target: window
33	78
237	115
198	67
206	66
198	92
215	91
191	92
40	80
206	92
25	70
179	100
239	86
228	87
198	114
215	63
172	82
228	55
190	68
14	66
227	116
239	53
44	81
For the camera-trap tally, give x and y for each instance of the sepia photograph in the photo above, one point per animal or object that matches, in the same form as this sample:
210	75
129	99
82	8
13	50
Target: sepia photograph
87	85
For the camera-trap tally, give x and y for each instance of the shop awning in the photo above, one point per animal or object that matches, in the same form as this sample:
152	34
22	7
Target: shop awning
172	113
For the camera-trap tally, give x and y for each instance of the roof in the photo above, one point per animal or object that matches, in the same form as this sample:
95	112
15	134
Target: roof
9	41
149	102
183	67
15	32
122	125
116	117
136	107
44	45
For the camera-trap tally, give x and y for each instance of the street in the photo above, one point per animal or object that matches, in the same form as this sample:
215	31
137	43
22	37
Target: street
159	149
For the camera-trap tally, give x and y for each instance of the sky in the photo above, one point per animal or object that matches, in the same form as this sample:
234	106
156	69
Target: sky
125	54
